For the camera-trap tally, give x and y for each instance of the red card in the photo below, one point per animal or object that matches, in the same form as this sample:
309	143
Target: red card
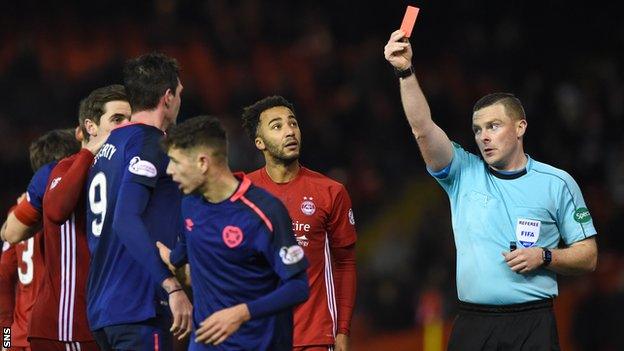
409	20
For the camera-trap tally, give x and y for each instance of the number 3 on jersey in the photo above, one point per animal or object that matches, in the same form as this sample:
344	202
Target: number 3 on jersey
97	202
27	258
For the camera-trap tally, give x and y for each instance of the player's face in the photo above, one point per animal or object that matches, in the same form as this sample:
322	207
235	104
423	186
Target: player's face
116	112
497	135
184	169
279	134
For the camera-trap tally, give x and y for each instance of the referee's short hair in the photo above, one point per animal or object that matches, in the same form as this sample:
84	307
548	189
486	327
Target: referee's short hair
513	106
198	131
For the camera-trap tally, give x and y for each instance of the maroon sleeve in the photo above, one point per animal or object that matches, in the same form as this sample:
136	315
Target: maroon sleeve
8	281
66	184
345	279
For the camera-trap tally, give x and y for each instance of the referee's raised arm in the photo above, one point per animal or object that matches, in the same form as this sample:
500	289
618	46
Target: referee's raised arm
434	144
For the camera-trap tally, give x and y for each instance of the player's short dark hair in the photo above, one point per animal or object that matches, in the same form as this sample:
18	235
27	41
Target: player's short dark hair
513	106
92	107
147	78
53	146
251	113
203	130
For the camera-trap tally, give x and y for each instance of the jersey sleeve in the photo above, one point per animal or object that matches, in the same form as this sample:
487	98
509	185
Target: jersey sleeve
573	217
449	176
27	213
145	161
281	251
8	280
36	187
66	186
341	224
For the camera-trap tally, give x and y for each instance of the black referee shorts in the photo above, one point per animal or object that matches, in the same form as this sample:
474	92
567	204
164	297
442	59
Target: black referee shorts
525	326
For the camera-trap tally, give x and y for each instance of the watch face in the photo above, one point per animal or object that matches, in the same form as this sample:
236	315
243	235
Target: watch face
546	256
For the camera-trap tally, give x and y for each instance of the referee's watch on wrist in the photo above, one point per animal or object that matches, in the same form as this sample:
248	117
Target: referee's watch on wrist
546	256
404	73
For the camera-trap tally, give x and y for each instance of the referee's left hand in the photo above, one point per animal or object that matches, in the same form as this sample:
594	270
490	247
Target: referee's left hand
524	260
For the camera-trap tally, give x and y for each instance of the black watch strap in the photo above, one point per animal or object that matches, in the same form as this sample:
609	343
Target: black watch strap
546	256
404	73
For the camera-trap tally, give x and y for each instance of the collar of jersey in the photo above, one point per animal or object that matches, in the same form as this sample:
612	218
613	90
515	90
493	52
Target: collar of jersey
243	186
511	174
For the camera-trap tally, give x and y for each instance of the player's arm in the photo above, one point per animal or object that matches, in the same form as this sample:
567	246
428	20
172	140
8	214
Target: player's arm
132	232
342	237
220	325
578	258
23	221
434	144
8	281
62	196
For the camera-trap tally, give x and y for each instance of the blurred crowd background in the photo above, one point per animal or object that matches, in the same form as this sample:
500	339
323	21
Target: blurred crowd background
565	63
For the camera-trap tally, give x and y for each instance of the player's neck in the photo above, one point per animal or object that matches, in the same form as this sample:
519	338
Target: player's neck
517	162
154	118
282	173
220	186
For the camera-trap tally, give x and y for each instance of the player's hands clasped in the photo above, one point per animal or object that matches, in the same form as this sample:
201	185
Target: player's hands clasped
398	52
524	260
221	324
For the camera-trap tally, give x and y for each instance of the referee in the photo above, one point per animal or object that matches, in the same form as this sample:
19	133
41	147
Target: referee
505	202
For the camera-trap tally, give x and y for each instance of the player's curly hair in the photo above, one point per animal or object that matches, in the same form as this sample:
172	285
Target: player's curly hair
147	78
53	146
197	131
251	113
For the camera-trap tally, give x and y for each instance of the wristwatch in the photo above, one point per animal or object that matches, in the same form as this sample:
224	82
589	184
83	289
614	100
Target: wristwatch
404	73
546	256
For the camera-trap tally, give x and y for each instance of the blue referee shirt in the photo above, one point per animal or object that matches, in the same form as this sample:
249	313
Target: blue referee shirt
540	206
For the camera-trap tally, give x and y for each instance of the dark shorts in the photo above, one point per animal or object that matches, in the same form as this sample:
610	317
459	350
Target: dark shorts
525	326
150	335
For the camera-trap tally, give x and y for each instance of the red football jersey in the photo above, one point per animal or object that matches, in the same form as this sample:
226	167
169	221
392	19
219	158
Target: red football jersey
320	209
22	264
60	311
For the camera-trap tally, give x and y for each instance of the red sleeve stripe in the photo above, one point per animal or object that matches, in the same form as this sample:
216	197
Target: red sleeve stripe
26	213
258	212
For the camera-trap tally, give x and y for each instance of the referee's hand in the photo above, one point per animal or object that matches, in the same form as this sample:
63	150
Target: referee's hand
524	260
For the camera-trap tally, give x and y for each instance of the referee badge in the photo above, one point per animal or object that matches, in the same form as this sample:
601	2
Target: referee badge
527	231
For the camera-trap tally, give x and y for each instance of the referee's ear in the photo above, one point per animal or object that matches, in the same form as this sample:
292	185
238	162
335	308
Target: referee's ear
521	127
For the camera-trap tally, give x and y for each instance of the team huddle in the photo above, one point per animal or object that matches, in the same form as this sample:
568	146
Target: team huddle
115	213
105	231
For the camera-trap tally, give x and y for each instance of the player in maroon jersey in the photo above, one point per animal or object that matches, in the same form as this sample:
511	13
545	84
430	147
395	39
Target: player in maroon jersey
323	223
21	265
59	319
